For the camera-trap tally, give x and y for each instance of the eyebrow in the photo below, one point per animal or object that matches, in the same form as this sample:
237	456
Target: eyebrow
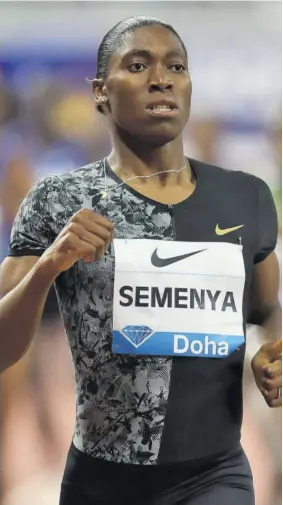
148	55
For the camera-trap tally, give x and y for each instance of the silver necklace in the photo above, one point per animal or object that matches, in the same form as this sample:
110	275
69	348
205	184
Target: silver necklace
104	193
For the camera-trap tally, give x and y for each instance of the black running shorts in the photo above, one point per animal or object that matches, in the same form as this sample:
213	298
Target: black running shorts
224	480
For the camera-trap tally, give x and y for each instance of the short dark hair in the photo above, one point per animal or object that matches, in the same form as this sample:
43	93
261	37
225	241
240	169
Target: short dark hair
113	39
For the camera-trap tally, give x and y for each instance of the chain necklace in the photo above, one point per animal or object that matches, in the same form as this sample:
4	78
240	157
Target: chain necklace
104	193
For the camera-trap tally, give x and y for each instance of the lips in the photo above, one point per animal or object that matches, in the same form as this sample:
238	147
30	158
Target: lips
162	109
162	105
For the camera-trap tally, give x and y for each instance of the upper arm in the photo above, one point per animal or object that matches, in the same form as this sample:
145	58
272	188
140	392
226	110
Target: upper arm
13	270
264	287
267	226
32	233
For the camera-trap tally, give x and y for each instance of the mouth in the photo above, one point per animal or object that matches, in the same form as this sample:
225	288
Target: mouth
162	109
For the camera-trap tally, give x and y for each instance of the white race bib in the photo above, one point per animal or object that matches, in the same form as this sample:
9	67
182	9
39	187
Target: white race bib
178	298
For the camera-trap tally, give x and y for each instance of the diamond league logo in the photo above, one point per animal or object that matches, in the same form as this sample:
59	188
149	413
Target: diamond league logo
137	335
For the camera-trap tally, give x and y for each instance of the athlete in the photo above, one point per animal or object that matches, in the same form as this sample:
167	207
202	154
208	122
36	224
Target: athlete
159	262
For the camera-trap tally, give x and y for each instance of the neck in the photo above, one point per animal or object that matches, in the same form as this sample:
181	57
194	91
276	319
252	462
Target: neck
140	158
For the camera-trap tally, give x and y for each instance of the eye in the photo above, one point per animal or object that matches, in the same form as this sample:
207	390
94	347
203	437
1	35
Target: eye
137	67
178	68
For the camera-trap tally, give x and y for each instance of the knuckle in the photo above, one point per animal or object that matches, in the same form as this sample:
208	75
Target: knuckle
84	212
80	215
72	227
74	218
274	386
105	238
269	401
270	375
269	386
65	238
92	248
99	242
69	239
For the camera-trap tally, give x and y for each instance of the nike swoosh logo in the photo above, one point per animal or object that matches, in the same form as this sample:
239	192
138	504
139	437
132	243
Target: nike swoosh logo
164	262
220	232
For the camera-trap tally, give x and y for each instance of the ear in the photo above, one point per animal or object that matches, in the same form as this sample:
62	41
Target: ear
99	93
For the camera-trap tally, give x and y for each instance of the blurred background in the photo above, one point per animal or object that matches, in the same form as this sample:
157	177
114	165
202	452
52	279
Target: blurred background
48	125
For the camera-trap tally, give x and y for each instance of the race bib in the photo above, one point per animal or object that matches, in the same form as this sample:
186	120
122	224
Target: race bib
178	298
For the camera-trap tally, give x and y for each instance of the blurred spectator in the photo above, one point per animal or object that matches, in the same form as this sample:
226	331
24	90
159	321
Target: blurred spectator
201	137
15	170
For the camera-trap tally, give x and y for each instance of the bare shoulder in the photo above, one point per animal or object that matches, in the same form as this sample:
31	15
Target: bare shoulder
13	270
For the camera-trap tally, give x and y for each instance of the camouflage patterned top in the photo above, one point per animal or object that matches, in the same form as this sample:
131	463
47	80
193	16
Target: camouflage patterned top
146	409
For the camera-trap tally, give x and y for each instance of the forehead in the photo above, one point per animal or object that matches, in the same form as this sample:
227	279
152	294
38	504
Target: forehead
156	39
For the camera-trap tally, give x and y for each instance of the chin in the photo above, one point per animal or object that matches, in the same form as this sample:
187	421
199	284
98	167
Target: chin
160	137
153	135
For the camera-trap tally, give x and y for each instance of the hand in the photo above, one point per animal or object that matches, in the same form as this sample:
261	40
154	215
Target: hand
267	370
86	236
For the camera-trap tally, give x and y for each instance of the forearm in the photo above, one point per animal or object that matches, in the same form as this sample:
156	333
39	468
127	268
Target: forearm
272	323
20	313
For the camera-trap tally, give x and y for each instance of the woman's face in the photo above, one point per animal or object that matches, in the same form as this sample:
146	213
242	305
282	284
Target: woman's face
148	86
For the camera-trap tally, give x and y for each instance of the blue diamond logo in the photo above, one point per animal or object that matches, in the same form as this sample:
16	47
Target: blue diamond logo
137	335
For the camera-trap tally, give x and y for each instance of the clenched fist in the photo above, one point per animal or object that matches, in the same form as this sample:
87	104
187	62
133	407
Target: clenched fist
267	369
86	236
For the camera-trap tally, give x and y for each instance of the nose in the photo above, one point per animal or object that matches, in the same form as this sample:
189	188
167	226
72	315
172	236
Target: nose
159	81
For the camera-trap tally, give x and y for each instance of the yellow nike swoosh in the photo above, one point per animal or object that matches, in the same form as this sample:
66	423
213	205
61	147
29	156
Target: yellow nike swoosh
218	231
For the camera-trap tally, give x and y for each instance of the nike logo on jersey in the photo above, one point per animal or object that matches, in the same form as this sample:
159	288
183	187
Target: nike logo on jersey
224	231
164	262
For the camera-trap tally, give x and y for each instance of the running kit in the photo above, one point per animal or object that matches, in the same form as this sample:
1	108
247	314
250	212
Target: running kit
157	333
